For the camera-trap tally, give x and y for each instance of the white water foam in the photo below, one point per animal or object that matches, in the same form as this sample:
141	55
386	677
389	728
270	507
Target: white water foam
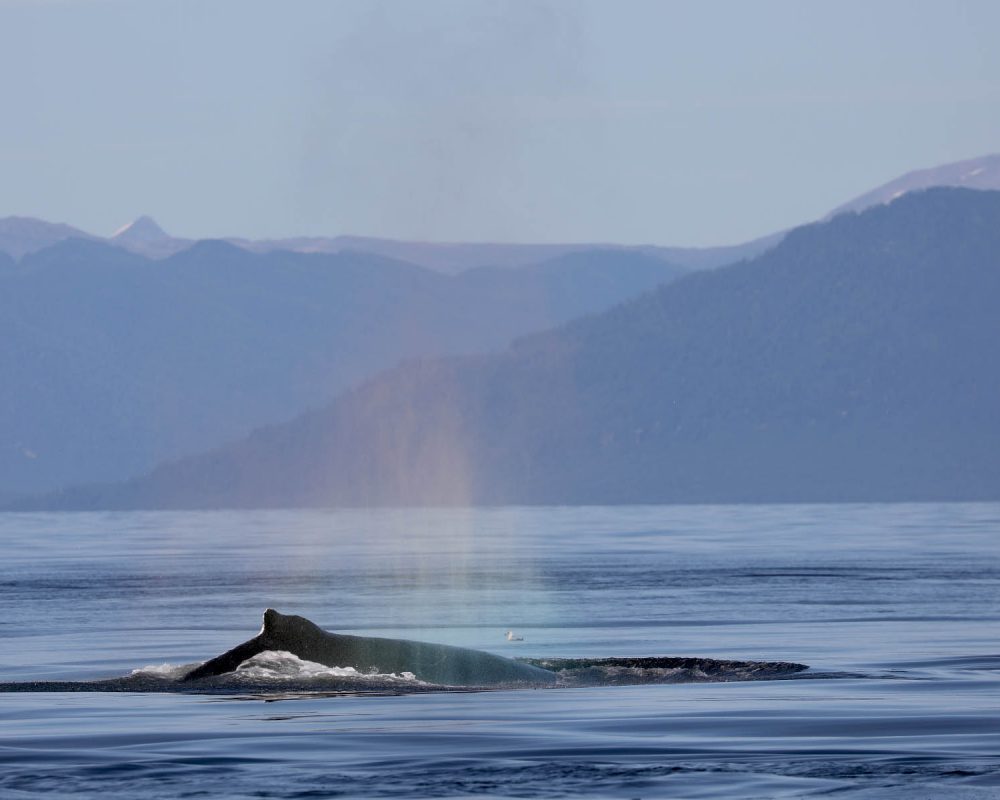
282	665
278	665
165	671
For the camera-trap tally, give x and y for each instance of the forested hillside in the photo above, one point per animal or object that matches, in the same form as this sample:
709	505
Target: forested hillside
859	360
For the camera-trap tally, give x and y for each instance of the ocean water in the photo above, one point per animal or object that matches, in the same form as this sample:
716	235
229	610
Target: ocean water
894	608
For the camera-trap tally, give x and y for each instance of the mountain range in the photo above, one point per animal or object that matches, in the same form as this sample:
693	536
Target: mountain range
22	235
113	362
858	360
120	354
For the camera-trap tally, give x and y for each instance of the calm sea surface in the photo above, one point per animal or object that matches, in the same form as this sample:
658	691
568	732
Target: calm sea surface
896	608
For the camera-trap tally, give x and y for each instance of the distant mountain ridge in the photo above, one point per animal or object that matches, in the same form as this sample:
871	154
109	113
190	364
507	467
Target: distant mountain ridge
974	173
857	361
113	362
453	258
19	235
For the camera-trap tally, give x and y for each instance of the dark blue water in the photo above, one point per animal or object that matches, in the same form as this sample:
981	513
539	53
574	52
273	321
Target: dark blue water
895	608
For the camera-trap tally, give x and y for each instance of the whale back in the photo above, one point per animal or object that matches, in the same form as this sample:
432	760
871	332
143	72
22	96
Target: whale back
433	663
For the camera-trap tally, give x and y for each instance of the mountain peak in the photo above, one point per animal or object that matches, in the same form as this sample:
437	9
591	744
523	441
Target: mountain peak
141	230
974	173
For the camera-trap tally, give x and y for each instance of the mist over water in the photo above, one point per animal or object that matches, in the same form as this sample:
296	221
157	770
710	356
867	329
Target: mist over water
894	607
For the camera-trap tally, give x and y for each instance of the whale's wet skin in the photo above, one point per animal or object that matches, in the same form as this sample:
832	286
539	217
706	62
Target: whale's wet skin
292	654
431	663
674	635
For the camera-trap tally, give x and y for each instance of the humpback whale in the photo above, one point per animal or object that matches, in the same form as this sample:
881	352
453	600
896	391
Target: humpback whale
434	663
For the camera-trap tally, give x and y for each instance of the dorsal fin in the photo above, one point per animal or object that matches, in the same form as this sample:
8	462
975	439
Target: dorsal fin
271	618
231	659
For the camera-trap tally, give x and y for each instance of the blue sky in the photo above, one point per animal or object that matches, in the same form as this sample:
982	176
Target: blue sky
640	122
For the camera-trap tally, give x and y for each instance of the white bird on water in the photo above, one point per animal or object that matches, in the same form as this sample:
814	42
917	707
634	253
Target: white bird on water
513	637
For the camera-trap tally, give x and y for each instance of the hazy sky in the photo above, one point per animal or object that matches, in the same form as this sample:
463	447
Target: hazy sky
661	122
